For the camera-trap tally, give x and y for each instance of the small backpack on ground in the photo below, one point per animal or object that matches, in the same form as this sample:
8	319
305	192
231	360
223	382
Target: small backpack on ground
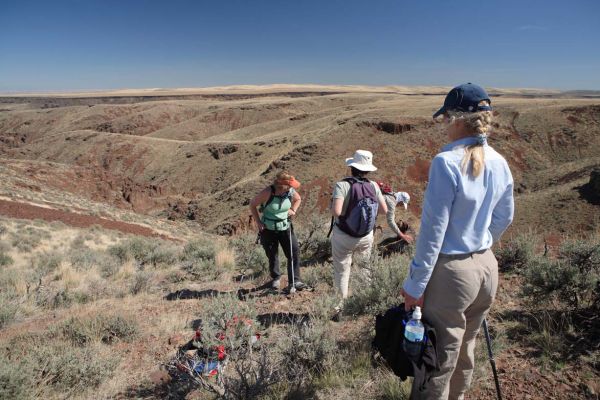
361	212
389	335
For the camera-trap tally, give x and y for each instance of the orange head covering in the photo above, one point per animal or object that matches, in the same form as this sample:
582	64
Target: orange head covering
292	182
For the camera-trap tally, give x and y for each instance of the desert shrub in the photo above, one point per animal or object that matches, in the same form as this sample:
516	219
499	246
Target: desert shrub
308	351
198	259
28	238
106	328
144	251
5	259
225	259
250	258
73	371
516	252
573	277
318	273
9	307
78	242
14	380
376	284
119	251
391	388
313	241
83	258
175	276
141	282
203	250
199	270
52	367
108	265
47	263
251	367
3	230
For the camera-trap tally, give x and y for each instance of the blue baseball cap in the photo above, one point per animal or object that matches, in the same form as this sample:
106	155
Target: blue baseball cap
466	98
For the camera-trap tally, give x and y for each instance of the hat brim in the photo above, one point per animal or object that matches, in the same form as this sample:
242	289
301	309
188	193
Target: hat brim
361	167
439	112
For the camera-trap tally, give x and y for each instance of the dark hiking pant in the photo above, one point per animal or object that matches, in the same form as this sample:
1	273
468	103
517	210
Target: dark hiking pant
270	241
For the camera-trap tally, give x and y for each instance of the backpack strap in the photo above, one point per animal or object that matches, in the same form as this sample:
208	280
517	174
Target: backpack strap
271	197
331	226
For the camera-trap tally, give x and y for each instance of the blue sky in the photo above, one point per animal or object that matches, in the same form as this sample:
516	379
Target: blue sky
57	45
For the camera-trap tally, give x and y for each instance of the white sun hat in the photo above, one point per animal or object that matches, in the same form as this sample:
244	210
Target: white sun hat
362	161
404	198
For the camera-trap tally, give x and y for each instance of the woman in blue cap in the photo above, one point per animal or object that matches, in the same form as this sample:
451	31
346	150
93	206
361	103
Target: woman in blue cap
468	204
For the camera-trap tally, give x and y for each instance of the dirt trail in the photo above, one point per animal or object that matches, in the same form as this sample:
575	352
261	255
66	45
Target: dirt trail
14	209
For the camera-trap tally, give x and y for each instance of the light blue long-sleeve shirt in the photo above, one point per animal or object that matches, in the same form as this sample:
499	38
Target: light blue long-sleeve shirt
461	214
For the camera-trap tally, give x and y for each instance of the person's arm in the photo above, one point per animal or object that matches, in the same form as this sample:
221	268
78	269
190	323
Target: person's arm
437	204
296	200
390	216
382	209
503	213
336	206
337	198
259	199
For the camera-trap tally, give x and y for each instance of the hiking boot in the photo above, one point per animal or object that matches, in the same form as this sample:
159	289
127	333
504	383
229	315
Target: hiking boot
337	314
276	283
300	285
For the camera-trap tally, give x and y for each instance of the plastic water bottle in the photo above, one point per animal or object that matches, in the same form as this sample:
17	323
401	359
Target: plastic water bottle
414	332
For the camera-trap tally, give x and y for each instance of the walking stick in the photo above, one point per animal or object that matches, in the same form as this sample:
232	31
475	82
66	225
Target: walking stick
293	288
491	357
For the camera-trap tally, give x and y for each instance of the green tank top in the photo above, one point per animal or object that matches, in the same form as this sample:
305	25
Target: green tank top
275	213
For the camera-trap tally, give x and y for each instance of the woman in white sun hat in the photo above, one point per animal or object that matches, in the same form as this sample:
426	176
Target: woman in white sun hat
356	201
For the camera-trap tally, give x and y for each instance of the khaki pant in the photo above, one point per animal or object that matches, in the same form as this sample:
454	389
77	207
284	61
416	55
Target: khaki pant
343	246
457	298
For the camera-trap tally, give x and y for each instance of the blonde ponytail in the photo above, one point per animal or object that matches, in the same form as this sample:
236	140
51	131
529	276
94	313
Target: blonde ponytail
478	123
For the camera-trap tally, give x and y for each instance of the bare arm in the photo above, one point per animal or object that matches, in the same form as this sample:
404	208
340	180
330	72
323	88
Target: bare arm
259	199
336	207
382	206
296	200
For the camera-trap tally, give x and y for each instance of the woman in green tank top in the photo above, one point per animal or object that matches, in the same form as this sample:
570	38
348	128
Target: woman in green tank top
277	205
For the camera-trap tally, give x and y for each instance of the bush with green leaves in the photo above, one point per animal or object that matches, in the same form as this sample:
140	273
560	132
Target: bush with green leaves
47	263
250	366
198	259
9	307
28	238
250	258
573	277
515	253
317	274
141	282
308	351
84	258
42	365
105	328
313	241
14	380
376	284
145	251
5	259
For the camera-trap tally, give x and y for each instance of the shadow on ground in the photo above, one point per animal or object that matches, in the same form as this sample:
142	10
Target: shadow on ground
282	318
242	294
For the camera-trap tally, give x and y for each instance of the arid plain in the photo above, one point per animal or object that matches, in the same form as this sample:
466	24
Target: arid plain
105	174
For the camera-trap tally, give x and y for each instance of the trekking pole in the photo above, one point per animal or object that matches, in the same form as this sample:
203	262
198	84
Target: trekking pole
293	288
491	357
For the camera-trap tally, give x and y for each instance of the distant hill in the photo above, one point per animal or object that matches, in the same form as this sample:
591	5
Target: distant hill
202	154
